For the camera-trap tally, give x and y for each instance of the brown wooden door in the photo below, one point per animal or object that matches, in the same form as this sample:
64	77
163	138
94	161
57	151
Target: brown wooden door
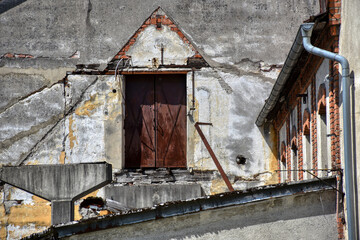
155	121
171	121
139	122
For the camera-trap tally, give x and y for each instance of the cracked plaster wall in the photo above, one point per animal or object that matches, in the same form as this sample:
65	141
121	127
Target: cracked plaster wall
45	118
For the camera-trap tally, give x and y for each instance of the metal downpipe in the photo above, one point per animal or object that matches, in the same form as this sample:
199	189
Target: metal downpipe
306	31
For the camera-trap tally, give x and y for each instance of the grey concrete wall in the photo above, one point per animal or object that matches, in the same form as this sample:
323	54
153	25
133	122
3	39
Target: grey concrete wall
226	31
309	216
239	39
244	41
144	196
58	182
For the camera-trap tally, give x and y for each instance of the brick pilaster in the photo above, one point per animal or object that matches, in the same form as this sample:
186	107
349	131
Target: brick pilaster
288	149
314	126
299	141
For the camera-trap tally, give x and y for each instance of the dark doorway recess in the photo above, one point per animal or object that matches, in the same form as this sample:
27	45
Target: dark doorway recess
155	121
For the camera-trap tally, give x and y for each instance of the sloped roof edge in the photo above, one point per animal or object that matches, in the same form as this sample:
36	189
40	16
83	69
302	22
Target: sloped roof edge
290	62
190	206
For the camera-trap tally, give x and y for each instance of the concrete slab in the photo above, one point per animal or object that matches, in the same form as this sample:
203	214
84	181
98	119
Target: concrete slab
60	184
142	196
56	182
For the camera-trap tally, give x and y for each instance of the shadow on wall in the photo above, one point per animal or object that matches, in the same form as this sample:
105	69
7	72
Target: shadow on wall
242	142
353	125
269	135
6	5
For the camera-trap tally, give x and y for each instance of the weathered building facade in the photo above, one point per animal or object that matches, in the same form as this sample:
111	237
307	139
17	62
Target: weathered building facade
313	109
125	83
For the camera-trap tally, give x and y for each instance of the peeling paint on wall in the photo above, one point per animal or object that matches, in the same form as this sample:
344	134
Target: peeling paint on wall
50	116
88	107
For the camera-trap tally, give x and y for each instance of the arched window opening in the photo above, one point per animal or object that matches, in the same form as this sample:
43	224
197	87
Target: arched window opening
283	162
322	136
306	144
294	155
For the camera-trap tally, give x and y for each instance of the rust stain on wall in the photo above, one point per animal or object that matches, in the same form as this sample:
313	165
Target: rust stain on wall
88	107
72	137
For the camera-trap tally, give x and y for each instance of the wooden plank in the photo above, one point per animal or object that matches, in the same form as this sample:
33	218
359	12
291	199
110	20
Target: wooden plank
139	122
171	120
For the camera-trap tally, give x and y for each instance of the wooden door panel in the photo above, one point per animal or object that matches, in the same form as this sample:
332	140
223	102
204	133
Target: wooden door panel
171	121
139	122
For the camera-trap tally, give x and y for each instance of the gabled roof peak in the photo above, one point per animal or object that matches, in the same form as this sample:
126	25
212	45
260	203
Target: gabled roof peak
143	49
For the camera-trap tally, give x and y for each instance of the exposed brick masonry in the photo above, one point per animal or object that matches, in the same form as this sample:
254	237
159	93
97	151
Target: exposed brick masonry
288	150
314	127
299	140
334	22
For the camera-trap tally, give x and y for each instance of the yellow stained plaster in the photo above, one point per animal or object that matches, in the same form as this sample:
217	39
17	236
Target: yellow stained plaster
273	161
37	199
3	222
72	137
218	186
39	214
3	217
113	106
62	158
77	215
88	107
33	162
3	232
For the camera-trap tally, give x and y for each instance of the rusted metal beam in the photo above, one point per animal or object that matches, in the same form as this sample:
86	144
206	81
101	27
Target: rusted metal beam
212	154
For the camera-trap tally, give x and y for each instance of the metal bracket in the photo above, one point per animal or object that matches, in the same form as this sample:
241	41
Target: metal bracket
212	154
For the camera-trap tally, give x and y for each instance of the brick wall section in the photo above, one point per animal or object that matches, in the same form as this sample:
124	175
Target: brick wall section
335	115
334	88
300	142
157	20
330	42
288	150
314	126
334	91
279	156
17	55
340	216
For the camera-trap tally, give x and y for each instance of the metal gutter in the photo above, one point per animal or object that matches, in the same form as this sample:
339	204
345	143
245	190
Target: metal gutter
289	64
191	206
350	185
